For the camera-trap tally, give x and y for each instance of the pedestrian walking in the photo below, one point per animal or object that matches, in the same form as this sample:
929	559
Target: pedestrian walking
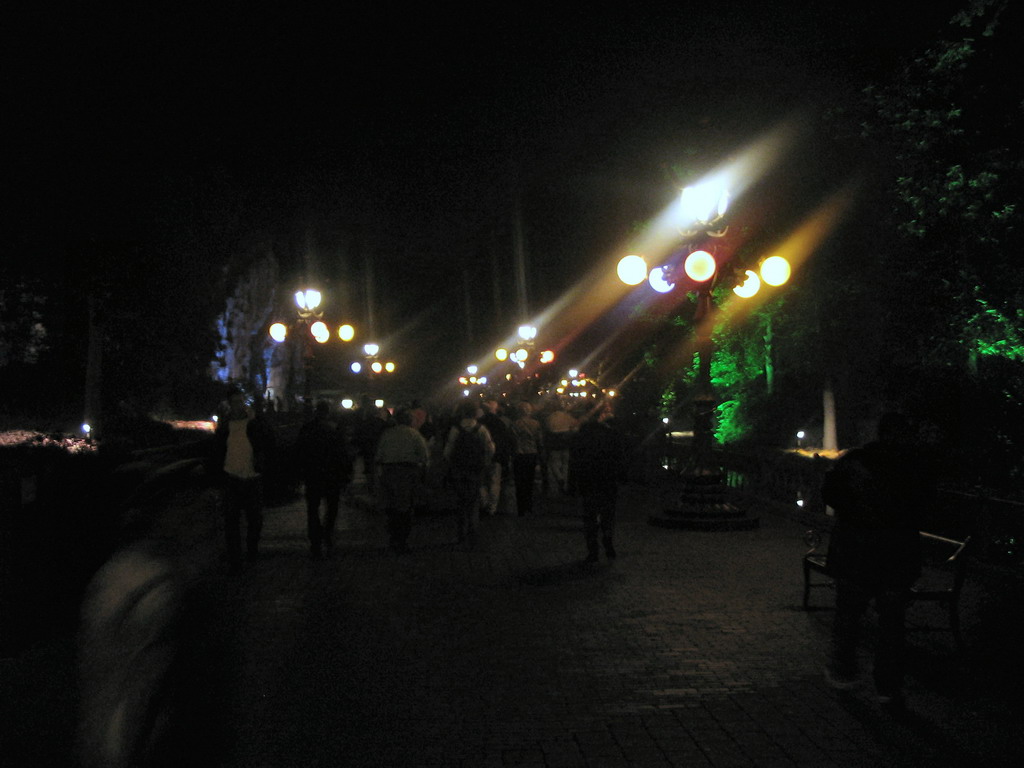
879	494
499	471
401	460
469	452
529	443
559	426
326	467
371	422
244	443
598	466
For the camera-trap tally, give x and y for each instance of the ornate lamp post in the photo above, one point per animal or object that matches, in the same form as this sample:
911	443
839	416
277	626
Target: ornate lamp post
309	317
703	502
523	354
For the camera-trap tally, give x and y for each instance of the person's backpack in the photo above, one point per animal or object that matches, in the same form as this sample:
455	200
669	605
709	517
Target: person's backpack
468	450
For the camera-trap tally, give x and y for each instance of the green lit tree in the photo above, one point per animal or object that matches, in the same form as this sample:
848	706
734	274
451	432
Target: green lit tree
934	279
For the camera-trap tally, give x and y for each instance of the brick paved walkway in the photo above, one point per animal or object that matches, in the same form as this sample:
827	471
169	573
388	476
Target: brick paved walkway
689	650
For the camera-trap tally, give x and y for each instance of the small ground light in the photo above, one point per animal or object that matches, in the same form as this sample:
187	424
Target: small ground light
86	429
800	438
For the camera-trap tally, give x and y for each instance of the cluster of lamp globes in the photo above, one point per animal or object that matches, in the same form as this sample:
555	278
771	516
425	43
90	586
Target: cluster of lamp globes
700	267
308	302
703	208
519	356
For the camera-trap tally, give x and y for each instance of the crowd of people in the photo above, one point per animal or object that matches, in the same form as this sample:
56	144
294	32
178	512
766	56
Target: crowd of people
482	458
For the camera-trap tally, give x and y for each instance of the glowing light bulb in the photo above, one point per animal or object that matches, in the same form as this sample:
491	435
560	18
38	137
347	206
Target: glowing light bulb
658	281
749	287
632	269
775	270
699	266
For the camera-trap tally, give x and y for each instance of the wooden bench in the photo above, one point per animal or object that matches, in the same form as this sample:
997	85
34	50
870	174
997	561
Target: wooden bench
945	568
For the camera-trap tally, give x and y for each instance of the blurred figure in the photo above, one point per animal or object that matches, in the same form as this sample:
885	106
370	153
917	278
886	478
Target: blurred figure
402	459
326	469
879	493
245	442
499	470
127	645
598	467
370	423
469	452
559	426
529	444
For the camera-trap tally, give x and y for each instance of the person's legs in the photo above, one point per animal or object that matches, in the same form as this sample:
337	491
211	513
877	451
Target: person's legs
467	499
332	502
314	530
890	651
851	602
232	520
590	506
558	466
254	515
606	510
397	488
492	487
525	475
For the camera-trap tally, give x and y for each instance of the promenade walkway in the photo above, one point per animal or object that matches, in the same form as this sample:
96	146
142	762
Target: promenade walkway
689	650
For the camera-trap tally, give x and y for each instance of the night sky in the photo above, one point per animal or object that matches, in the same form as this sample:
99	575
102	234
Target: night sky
403	132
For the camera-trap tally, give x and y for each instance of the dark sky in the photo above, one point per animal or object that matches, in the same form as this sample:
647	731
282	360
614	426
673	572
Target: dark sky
402	130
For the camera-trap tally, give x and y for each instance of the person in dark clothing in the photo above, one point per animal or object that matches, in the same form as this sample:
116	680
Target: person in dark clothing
402	457
499	472
371	423
326	468
879	493
598	466
244	441
529	438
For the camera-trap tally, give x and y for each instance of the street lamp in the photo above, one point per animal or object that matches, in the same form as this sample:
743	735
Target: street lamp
309	317
703	503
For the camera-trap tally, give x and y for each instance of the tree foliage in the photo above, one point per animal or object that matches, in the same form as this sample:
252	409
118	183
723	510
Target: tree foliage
944	282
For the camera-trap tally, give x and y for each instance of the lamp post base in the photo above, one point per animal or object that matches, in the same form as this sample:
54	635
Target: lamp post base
703	505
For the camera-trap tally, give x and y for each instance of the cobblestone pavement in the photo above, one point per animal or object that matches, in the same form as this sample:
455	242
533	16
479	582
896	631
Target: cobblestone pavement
690	649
